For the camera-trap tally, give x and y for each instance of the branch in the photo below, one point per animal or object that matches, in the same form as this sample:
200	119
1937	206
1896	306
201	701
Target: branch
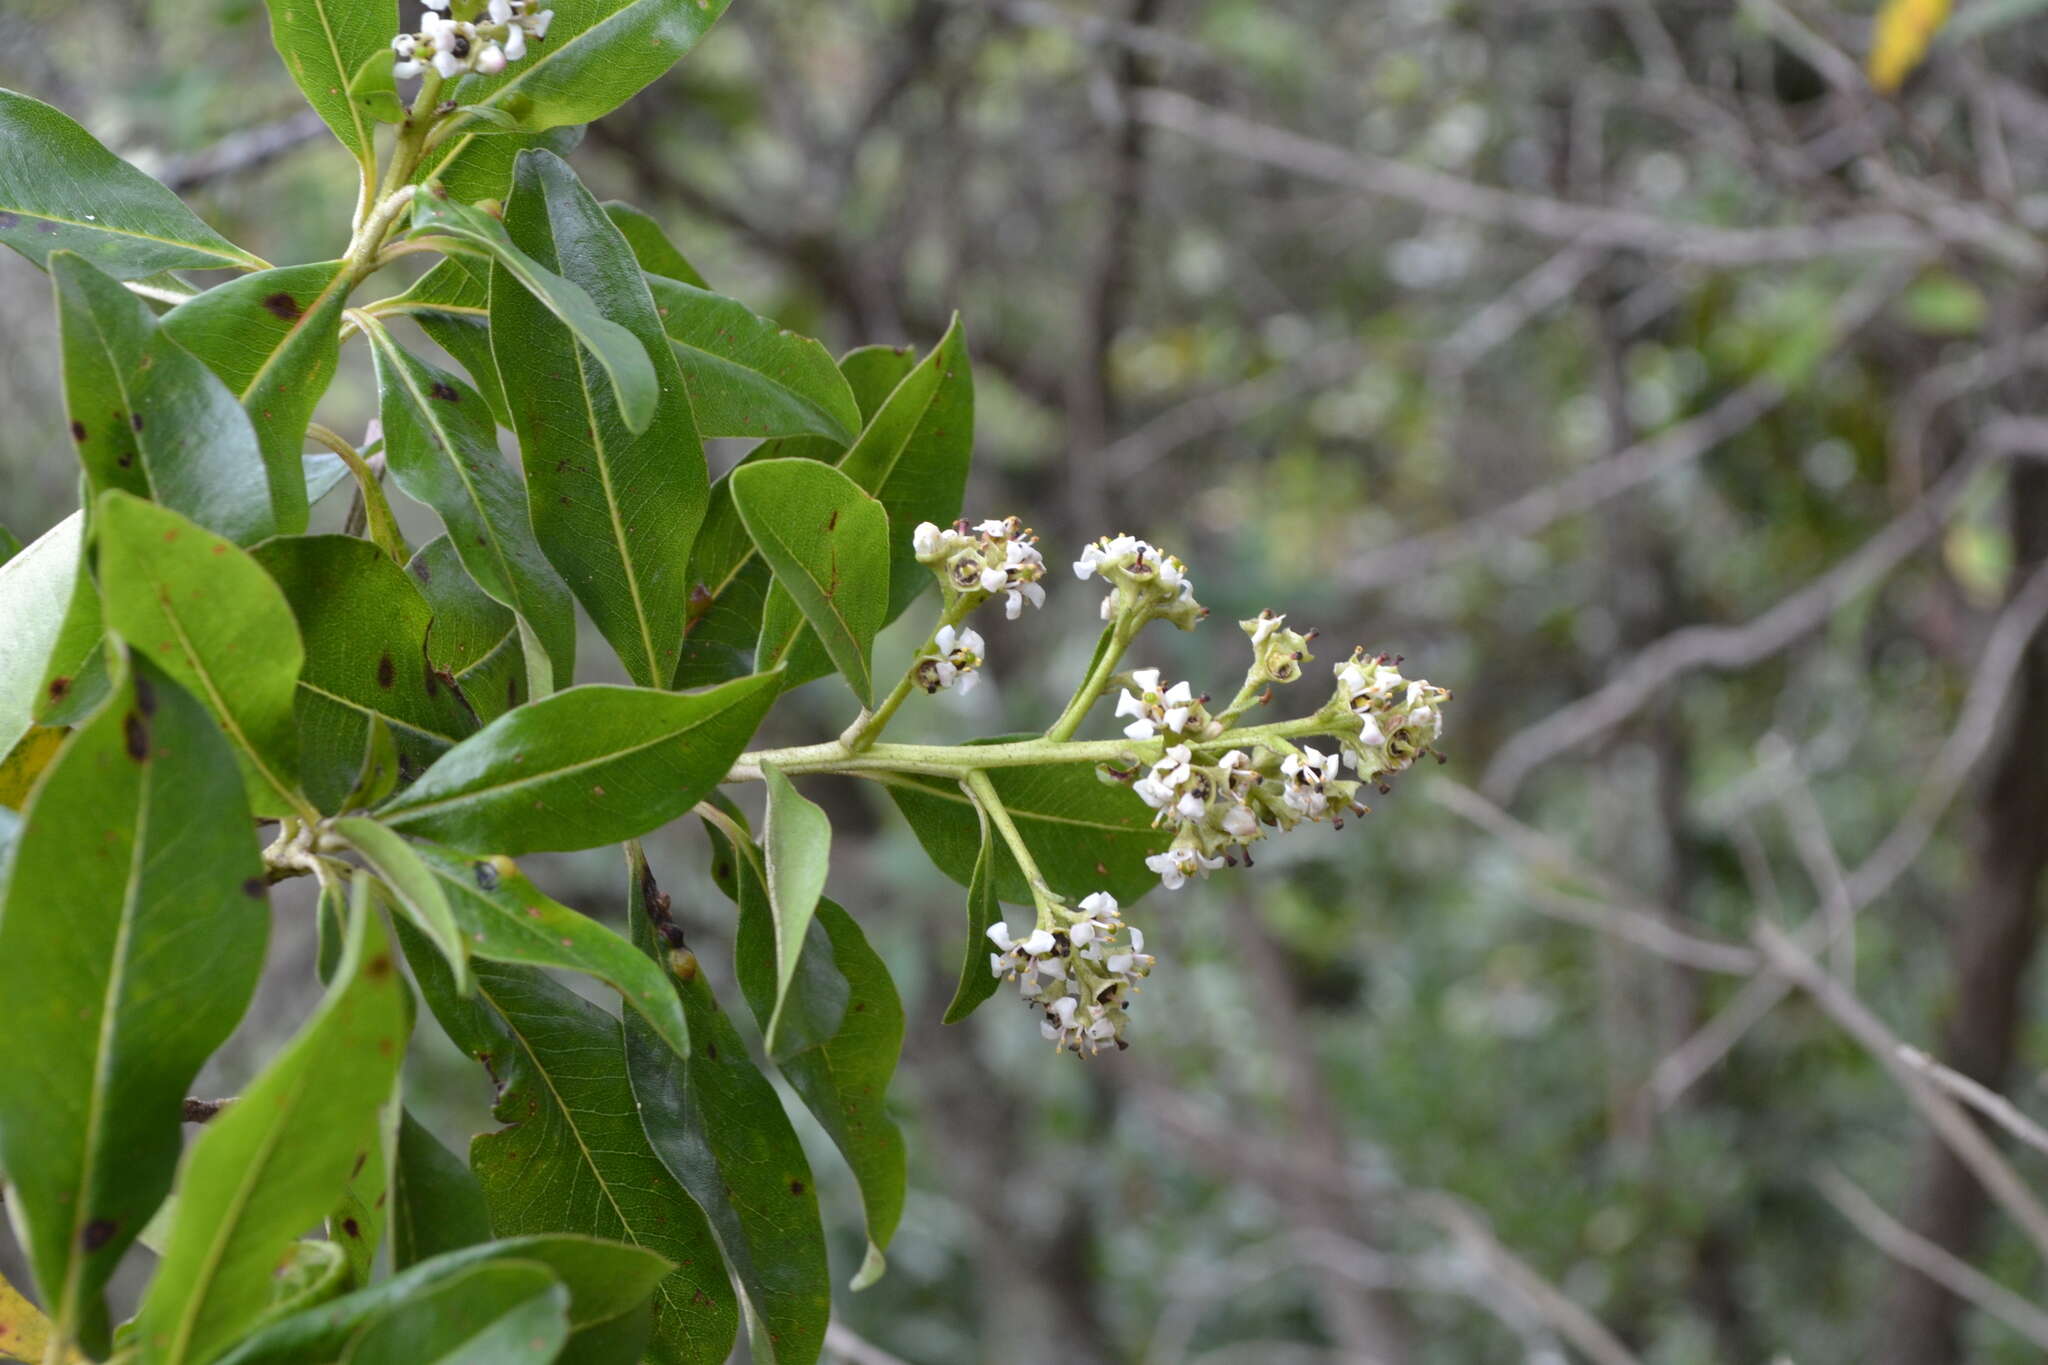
1578	224
1978	1096
1733	648
241	152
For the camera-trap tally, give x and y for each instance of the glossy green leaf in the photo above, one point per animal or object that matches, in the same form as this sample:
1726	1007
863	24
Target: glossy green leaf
828	545
475	639
749	376
720	1129
148	417
572	1156
365	628
477	165
209	615
442	446
26	761
797	840
312	1271
729	584
452	305
843	1079
651	246
615	503
130	942
605	1279
1085	835
324	44
436	1204
414	889
374	89
274	338
977	982
35	588
504	917
628	373
75	678
378	775
60	190
499	1313
598	55
589	766
272	1163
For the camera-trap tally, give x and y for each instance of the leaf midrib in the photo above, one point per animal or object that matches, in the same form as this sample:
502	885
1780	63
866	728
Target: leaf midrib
240	260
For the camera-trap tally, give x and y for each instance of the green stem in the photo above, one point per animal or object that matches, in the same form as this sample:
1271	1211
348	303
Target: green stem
983	792
1108	653
869	726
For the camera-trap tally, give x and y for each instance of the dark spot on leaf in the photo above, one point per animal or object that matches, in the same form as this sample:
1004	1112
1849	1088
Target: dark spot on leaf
145	695
135	420
58	687
125	459
97	1234
860	1006
832	522
711	1051
48	229
349	1226
486	876
446	392
422	570
283	305
357	1169
387	672
138	737
8	220
378	967
254	888
77	430
796	1187
511	692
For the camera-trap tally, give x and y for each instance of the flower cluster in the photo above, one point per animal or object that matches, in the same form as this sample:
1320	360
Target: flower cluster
986	557
1399	719
1080	974
453	45
953	660
1145	581
1277	652
1172	710
1211	806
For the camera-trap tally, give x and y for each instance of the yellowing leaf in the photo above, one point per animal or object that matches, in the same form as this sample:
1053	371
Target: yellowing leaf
1905	30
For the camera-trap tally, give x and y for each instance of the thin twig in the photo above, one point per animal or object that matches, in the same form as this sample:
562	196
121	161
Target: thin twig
1978	1096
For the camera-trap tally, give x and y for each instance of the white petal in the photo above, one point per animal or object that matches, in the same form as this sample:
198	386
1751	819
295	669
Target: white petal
405	71
1129	704
1099	903
1034	593
515	44
1109	606
1178	694
995	964
1142	728
943	640
925	539
971	641
1038	942
1013	607
1177	719
491	60
969	680
501	11
448	64
1137	940
1147	679
1191	807
993	579
537	24
1082	934
999	934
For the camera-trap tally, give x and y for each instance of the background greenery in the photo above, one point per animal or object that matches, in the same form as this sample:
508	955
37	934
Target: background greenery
1510	337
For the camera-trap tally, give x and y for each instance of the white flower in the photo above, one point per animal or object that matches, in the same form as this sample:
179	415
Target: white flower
515	43
1177	865
491	60
435	4
954	661
1239	822
926	539
403	45
500	11
1306	772
1156	710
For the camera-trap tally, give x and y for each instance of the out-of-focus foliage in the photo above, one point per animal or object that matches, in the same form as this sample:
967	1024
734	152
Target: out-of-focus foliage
1441	259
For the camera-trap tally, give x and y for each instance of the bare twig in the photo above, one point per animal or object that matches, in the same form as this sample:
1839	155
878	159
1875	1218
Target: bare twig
1548	285
1816	849
1963	1137
1978	1096
1904	1245
1138	450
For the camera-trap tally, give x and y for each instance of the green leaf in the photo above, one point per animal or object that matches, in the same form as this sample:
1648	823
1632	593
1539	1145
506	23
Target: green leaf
828	544
914	453
35	586
452	305
436	1204
749	376
977	982
130	943
588	766
274	338
572	1156
75	678
374	90
324	44
720	1129
651	246
414	889
631	377
208	615
475	639
443	449
842	1079
272	1163
311	1272
615	503
365	628
1085	835
729	583
148	417
598	55
797	839
378	775
60	190
500	1313
477	165
26	761
10	545
504	917
605	1280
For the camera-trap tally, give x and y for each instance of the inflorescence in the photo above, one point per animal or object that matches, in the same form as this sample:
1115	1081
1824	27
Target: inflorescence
1213	789
483	39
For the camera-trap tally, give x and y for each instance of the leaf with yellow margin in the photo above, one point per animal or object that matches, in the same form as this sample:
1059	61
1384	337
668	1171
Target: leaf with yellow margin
18	770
